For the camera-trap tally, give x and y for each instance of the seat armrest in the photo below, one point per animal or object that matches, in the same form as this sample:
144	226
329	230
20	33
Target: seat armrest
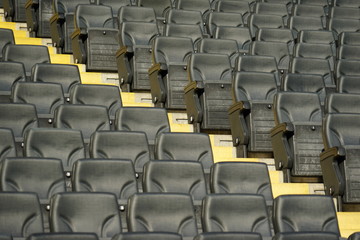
32	3
286	128
243	106
195	85
57	18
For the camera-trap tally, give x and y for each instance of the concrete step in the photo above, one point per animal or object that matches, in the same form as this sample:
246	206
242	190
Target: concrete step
349	222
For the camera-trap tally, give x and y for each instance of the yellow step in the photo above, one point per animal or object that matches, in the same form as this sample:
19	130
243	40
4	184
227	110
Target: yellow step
29	41
61	58
290	188
178	122
223	153
20	34
90	78
13	26
349	222
133	100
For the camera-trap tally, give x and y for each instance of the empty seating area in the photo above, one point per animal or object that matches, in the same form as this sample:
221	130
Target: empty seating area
179	119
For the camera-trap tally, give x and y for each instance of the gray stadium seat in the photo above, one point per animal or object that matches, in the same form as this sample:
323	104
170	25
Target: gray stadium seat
220	46
305	213
278	9
241	177
177	16
296	82
314	66
345	3
185	146
7	37
86	118
115	176
94	26
202	5
38	14
159	6
310	50
306	235
163	212
318	37
346	68
288	3
342	103
217	19
102	95
85	212
276	35
121	144
257	21
339	25
115	5
62	23
240	34
7	144
302	23
208	94
67	75
279	50
309	10
349	38
40	142
228	236
168	75
349	52
344	12
255	63
134	56
20	118
11	72
241	7
251	115
152	121
169	176
298	119
29	55
45	96
236	213
192	31
136	14
20	214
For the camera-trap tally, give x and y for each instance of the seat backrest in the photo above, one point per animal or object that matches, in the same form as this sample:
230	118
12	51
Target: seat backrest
241	177
102	95
85	212
278	9
297	213
339	130
158	5
339	25
349	38
7	144
41	142
275	35
279	50
20	214
18	117
344	12
255	63
184	30
136	14
348	84
67	6
219	46
175	177
137	33
257	21
312	66
216	19
345	3
7	37
307	10
349	52
316	36
201	5
299	23
297	107
203	66
346	67
162	212
44	176
114	4
152	121
45	96
240	34
342	103
147	235
235	213
304	83
252	86
241	7
11	72
67	75
93	16
310	50
116	176
120	144
185	146
29	55
86	118
63	236
177	16
167	50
